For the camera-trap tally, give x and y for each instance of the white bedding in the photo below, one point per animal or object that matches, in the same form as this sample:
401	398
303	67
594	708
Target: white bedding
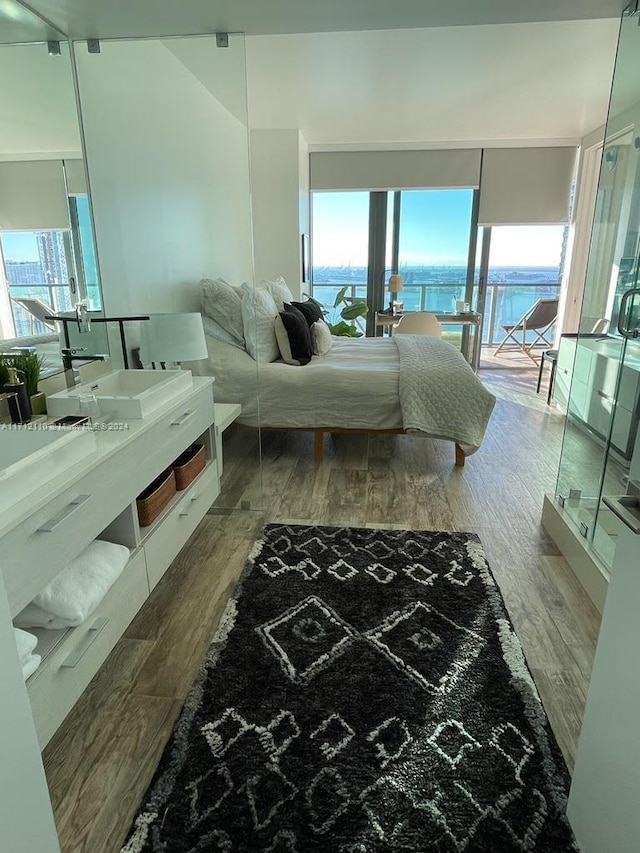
356	386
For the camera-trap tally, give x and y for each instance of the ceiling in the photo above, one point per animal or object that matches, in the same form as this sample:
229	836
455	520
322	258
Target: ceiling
135	18
505	84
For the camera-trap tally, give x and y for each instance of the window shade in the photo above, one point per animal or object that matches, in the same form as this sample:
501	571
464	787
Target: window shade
76	180
394	170
526	186
33	196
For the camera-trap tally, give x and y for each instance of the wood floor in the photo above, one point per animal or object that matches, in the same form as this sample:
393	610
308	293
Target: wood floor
102	759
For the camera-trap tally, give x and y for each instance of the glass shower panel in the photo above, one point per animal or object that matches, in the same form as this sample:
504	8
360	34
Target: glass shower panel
601	364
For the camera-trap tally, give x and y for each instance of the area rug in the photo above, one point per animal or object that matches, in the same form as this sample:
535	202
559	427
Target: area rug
365	692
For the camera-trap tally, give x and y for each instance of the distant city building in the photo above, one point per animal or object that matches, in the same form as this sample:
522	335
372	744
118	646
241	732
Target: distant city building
23	272
53	259
47	279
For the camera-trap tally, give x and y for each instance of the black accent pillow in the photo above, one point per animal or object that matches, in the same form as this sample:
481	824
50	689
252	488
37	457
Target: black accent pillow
310	309
300	348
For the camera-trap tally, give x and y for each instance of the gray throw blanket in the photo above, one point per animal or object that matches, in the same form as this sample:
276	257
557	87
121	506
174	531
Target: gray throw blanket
440	395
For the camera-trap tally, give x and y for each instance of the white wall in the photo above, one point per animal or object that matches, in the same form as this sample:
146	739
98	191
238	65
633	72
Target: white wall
280	200
169	178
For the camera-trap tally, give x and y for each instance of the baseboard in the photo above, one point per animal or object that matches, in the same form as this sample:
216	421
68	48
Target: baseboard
591	573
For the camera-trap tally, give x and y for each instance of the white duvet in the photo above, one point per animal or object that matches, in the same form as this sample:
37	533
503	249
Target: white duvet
355	386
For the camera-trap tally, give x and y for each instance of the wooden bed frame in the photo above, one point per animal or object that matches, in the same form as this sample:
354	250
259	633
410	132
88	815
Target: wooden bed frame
319	432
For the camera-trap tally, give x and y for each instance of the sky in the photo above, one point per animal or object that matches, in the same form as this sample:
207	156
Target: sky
434	229
19	246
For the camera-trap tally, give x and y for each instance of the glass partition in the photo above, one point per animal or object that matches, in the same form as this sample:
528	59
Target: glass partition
165	125
598	370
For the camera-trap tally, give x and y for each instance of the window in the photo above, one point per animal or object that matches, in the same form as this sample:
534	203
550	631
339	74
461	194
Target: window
85	256
340	244
433	247
423	234
35	264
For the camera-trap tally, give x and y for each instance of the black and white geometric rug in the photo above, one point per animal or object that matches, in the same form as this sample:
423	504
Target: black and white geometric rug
365	692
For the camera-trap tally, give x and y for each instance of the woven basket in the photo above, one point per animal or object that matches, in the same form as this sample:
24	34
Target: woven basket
188	465
155	497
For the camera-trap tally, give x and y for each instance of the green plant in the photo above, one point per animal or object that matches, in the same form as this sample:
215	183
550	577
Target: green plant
28	365
353	308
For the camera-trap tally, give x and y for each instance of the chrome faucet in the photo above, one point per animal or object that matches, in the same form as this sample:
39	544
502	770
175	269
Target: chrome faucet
71	354
82	316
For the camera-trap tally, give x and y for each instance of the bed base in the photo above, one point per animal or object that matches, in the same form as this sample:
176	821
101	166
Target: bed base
319	432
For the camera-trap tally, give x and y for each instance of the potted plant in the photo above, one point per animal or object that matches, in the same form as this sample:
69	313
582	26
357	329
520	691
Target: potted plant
351	310
29	366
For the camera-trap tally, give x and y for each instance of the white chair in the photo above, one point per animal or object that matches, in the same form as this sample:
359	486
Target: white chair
418	323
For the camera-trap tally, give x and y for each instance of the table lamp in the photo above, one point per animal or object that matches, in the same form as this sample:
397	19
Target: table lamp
172	337
395	286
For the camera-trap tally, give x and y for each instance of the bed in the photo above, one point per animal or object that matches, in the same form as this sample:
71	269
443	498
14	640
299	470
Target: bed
405	384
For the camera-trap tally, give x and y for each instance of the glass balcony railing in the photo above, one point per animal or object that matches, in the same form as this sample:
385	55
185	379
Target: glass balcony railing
56	296
505	302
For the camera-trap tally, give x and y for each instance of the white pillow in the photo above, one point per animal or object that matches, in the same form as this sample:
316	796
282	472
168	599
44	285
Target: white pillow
215	330
279	291
321	339
223	303
258	316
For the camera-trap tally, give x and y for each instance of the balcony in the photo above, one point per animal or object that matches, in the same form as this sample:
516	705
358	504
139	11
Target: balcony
505	303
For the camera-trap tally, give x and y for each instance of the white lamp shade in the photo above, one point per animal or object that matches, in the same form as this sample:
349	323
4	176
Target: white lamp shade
396	283
172	337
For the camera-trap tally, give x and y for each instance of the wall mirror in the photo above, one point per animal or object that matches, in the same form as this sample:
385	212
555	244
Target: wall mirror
47	255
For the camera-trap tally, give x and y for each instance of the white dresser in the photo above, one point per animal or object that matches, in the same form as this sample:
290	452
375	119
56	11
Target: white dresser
594	363
97	499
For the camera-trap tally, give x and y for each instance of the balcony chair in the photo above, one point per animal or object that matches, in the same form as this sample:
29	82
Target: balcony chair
418	323
37	309
538	319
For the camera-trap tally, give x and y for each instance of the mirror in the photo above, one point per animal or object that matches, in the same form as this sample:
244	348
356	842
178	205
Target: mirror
47	256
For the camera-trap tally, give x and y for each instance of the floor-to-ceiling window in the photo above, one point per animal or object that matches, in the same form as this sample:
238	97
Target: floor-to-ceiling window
433	247
340	247
421	234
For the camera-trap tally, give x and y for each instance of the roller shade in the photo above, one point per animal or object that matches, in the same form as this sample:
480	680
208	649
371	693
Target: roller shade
526	186
394	170
33	196
76	180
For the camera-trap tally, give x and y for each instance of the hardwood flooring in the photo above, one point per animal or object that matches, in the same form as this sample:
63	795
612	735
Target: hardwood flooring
102	759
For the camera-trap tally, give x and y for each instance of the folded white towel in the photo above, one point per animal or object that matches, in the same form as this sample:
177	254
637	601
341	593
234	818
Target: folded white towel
75	593
30	665
25	643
